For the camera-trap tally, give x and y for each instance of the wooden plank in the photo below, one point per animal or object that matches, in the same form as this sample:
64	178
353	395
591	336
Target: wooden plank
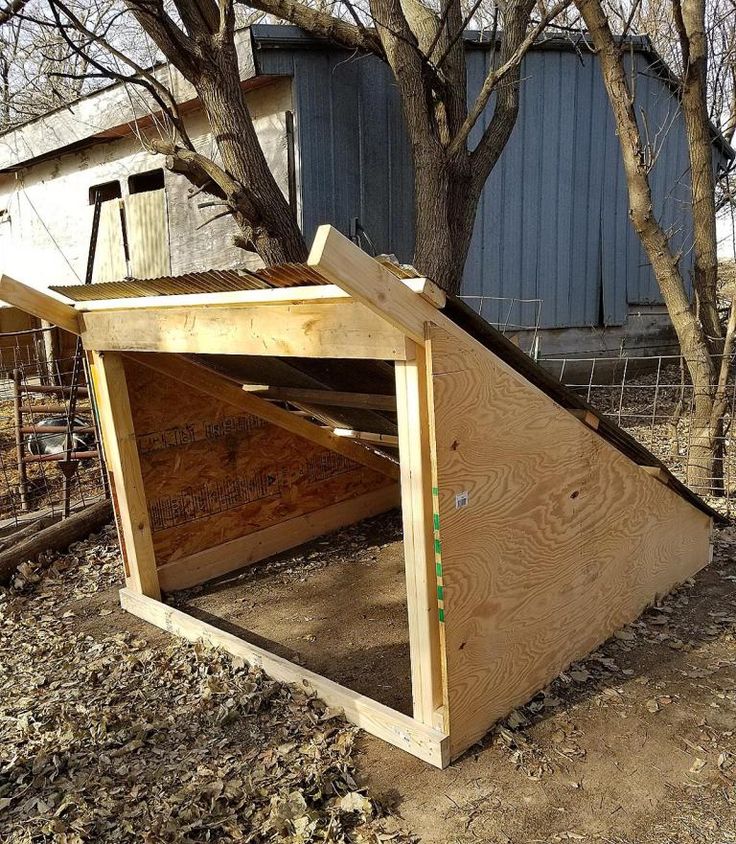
110	264
212	474
39	304
419	560
367	436
345	264
394	727
551	539
323	293
588	418
334	330
329	398
658	473
121	453
193	375
249	549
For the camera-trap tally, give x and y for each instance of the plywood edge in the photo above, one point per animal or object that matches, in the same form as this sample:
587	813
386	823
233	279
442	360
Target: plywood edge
379	720
299	295
198	377
245	550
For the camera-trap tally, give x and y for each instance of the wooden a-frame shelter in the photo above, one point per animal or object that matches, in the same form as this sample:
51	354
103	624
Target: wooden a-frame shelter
533	529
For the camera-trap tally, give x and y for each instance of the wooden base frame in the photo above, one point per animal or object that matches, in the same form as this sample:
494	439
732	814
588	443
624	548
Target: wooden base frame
530	535
373	717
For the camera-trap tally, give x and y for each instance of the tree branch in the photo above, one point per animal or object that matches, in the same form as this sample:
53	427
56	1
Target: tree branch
13	8
494	77
321	24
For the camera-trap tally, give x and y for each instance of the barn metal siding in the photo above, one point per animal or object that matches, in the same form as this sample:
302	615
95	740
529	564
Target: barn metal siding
355	159
553	219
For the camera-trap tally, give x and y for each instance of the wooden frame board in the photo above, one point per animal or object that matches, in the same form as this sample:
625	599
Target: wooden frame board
343	329
379	720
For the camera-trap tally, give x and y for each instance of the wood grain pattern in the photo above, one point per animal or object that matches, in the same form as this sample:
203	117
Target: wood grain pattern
323	329
212	474
412	401
129	494
39	304
562	540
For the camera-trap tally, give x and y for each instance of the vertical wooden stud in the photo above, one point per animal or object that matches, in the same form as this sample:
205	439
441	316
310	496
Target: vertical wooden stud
419	559
121	453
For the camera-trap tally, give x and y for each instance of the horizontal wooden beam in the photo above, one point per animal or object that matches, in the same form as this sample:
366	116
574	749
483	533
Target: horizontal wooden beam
245	550
335	330
267	296
367	436
39	304
198	377
375	718
590	419
329	398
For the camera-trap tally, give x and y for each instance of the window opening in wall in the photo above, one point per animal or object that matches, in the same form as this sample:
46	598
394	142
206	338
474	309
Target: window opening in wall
144	182
107	191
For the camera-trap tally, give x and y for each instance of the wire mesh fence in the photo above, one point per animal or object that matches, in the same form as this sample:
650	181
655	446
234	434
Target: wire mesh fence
49	449
653	399
518	319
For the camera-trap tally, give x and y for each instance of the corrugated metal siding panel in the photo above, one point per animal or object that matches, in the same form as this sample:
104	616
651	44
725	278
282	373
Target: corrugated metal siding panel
354	156
553	219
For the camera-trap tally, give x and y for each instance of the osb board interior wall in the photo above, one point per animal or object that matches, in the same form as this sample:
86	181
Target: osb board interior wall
212	473
550	538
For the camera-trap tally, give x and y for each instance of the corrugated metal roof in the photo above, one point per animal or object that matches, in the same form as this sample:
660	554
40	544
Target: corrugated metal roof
211	281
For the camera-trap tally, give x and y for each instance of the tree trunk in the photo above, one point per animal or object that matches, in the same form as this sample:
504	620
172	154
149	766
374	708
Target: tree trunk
56	537
262	212
696	330
445	210
690	21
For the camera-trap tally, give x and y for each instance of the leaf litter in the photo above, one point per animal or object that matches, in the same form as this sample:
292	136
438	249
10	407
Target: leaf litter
105	737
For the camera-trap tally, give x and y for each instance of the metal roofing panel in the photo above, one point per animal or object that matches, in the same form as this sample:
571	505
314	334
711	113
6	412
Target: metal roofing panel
212	281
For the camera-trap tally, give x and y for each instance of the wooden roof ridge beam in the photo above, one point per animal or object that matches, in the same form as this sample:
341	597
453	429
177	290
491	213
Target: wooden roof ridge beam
39	304
198	377
343	263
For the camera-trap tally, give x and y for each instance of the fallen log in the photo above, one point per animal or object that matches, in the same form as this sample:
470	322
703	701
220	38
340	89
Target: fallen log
56	537
29	530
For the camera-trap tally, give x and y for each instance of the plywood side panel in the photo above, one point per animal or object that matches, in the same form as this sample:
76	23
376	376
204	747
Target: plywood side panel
212	475
550	538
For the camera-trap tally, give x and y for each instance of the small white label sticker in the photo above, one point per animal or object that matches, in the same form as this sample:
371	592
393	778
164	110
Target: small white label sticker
461	500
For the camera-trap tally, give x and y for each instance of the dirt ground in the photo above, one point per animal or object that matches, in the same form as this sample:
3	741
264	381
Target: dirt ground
634	745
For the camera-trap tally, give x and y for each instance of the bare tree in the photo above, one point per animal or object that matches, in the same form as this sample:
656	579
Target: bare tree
706	344
424	48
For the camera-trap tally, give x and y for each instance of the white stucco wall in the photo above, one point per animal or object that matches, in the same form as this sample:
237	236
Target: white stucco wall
45	216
